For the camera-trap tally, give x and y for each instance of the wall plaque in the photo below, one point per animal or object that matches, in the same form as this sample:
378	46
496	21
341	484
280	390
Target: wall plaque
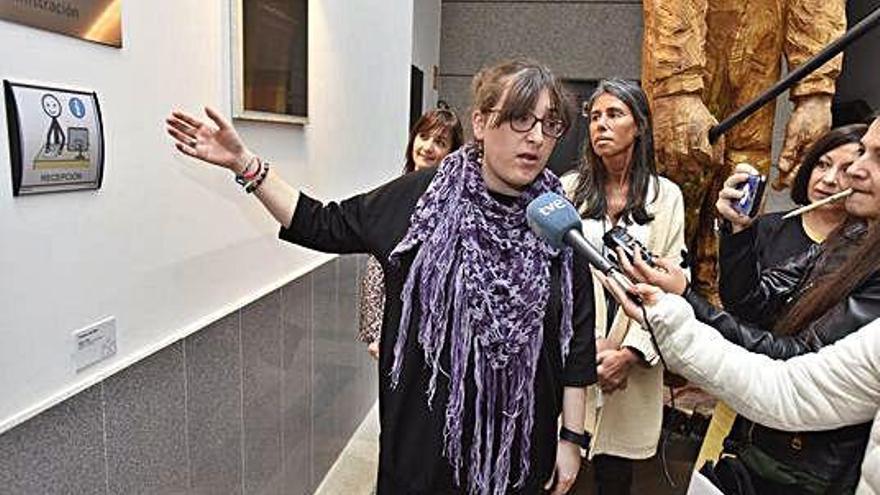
56	138
94	20
270	60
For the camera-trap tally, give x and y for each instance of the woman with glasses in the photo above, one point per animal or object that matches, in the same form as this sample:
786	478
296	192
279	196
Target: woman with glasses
437	133
617	186
487	335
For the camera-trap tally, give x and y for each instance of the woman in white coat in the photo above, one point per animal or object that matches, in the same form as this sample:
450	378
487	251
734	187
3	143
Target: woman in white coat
617	185
835	387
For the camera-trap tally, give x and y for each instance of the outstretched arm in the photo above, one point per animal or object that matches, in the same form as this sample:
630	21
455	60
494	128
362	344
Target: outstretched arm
219	144
838	386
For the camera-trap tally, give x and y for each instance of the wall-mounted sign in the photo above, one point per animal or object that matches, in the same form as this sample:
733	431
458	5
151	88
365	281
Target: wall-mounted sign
56	139
94	20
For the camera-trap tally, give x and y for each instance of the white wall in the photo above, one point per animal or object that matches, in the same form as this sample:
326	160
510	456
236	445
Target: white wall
426	45
167	245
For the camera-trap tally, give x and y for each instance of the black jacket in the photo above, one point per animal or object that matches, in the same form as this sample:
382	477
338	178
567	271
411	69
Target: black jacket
762	296
771	241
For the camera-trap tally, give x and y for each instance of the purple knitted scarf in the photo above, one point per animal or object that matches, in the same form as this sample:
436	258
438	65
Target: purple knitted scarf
483	282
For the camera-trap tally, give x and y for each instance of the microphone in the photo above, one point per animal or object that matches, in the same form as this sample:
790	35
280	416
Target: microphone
554	219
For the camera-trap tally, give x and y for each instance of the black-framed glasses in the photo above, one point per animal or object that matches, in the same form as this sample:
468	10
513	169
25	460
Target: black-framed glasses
550	126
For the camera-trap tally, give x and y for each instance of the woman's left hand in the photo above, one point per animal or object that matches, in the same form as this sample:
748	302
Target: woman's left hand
373	349
613	367
568	464
218	144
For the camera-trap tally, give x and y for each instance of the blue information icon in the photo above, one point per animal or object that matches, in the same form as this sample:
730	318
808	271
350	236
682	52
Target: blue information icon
77	108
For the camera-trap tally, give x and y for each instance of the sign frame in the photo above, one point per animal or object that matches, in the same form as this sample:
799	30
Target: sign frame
71	170
241	87
96	21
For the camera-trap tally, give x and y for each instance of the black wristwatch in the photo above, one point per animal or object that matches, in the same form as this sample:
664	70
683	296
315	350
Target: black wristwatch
579	439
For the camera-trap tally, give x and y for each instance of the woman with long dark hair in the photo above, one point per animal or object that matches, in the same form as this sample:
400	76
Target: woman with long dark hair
437	133
774	239
820	296
617	186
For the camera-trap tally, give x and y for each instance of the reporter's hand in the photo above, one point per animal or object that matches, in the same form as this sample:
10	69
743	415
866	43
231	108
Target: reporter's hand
568	463
730	193
649	295
220	145
668	276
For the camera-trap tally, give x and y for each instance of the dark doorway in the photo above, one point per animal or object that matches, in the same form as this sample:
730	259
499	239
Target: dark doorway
568	152
858	87
416	94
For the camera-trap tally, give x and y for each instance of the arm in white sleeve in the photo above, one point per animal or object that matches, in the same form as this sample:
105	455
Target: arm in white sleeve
838	386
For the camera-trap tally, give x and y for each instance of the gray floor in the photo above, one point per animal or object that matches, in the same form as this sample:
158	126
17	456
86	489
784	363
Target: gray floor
354	472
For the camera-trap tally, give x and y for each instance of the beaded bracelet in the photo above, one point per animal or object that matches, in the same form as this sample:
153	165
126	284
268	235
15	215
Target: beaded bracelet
245	177
253	185
250	175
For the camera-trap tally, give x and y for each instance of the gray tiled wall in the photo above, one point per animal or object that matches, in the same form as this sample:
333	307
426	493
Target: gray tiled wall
578	40
260	402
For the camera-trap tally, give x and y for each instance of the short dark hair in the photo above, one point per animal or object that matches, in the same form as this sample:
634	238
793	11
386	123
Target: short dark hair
520	82
832	139
437	120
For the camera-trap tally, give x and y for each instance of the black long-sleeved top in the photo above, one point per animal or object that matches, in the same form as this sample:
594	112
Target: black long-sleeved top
411	439
769	242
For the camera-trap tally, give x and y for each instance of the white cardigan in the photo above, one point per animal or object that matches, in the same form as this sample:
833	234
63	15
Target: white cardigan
838	386
628	423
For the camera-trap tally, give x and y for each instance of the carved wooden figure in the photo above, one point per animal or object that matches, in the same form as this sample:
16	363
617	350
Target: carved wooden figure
703	59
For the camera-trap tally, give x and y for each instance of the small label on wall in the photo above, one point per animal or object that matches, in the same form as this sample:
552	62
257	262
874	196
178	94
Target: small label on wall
94	343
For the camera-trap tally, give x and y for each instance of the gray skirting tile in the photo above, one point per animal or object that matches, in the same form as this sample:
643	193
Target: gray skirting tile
58	452
326	443
296	379
146	425
214	413
261	380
